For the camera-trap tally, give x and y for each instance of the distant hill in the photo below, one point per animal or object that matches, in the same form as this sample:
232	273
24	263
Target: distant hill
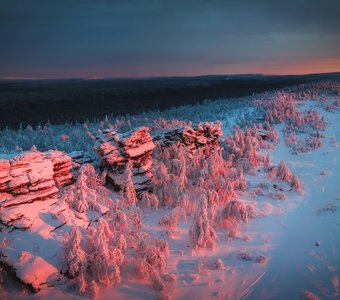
59	101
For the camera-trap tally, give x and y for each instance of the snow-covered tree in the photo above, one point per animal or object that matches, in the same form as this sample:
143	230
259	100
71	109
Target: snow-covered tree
119	241
93	289
88	192
266	165
76	258
148	200
202	233
172	219
296	183
213	201
106	259
150	258
283	172
234	211
129	189
218	264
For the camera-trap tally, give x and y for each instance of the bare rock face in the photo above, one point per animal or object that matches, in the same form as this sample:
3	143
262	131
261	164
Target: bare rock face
133	147
33	176
203	134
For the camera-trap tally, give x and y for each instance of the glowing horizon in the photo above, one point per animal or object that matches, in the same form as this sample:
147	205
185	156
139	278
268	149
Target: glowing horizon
267	68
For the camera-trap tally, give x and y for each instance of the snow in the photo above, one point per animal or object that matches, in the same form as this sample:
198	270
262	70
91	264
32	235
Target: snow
34	270
296	263
258	220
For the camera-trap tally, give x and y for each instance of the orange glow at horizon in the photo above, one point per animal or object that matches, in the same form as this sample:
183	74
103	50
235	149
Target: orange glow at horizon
328	65
312	66
302	67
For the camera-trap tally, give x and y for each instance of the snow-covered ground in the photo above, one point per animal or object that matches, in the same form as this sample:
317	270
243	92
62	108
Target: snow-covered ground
305	252
287	248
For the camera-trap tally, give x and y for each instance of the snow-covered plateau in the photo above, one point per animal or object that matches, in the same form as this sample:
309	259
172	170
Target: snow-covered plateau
227	199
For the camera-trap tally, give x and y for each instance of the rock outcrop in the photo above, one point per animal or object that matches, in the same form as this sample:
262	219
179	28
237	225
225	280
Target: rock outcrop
203	134
32	231
135	147
33	176
118	151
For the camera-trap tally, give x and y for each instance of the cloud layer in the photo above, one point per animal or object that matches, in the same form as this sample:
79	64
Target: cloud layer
76	38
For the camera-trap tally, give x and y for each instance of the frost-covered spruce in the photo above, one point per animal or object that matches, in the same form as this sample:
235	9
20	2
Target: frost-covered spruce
218	264
296	183
213	200
266	165
202	233
150	258
88	192
148	200
129	190
119	220
106	259
171	219
234	211
75	256
283	172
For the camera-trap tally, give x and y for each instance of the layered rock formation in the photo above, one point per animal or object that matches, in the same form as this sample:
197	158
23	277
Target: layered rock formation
203	134
119	151
135	147
32	231
33	176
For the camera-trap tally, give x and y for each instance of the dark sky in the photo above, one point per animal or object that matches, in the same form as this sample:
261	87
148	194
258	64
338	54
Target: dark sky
123	38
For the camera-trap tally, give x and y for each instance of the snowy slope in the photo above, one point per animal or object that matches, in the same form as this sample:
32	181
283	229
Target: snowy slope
236	226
